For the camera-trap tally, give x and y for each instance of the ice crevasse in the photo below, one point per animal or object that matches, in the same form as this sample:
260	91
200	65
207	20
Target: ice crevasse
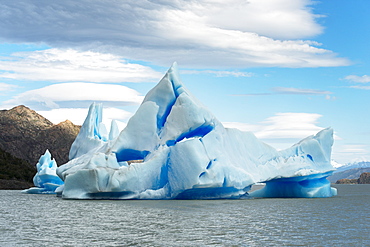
174	148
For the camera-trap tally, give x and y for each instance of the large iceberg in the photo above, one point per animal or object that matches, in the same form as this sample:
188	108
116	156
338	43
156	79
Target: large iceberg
46	179
174	148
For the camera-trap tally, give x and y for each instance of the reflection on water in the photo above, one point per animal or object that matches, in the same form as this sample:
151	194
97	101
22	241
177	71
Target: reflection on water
45	220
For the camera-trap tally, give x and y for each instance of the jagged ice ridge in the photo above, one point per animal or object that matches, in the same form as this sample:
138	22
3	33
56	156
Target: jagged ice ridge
184	152
46	180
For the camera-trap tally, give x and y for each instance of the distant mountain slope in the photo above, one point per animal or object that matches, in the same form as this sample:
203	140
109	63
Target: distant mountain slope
26	135
348	174
361	164
364	179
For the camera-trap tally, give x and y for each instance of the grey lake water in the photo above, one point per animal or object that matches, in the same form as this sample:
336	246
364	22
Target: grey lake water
45	220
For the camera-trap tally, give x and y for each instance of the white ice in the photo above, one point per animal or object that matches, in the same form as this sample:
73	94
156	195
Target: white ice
181	151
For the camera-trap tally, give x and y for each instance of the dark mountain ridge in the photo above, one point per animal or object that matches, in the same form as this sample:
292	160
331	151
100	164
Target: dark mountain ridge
26	135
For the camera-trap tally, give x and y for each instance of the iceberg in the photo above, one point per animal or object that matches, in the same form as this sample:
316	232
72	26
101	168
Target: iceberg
93	133
46	180
173	147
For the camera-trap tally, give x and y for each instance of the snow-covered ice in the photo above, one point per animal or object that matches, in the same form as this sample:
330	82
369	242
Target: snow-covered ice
46	179
175	148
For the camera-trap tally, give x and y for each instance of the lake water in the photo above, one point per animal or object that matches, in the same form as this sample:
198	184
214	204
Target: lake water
45	220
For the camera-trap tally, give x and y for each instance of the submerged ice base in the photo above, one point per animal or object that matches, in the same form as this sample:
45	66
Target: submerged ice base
46	179
310	186
181	151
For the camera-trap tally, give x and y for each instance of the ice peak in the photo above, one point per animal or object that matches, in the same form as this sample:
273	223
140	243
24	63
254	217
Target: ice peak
46	179
186	153
93	132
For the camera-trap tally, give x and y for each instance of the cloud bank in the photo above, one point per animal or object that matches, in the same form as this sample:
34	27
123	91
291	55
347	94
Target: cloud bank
219	73
76	95
290	125
283	128
59	102
70	65
78	115
207	33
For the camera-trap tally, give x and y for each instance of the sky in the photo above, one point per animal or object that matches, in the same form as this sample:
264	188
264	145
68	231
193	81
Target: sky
283	69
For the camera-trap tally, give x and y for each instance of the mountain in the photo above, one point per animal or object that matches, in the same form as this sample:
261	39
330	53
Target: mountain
348	174
363	179
361	164
26	135
335	164
349	171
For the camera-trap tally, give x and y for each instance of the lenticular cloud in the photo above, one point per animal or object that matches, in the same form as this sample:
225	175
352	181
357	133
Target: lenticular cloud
175	148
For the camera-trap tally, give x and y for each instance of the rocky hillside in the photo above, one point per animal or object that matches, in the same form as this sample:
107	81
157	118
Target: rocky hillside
26	135
363	179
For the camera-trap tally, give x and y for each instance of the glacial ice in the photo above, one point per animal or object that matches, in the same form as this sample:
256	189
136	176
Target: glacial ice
93	133
46	179
174	148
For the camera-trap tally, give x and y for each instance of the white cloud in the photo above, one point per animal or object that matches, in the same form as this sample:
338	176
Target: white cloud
207	33
290	90
293	91
78	115
329	97
354	149
290	125
76	95
71	65
75	115
6	87
358	79
200	45
243	126
283	129
279	18
351	152
219	73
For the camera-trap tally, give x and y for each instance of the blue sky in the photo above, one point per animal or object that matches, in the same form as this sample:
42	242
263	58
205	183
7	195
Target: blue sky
283	69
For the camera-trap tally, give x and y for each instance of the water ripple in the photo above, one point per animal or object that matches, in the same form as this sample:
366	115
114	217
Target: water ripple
45	220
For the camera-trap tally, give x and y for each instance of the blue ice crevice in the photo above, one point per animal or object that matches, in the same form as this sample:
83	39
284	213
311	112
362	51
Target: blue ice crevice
131	154
200	131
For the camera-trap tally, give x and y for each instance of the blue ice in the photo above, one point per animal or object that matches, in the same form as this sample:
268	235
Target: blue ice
181	151
46	180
